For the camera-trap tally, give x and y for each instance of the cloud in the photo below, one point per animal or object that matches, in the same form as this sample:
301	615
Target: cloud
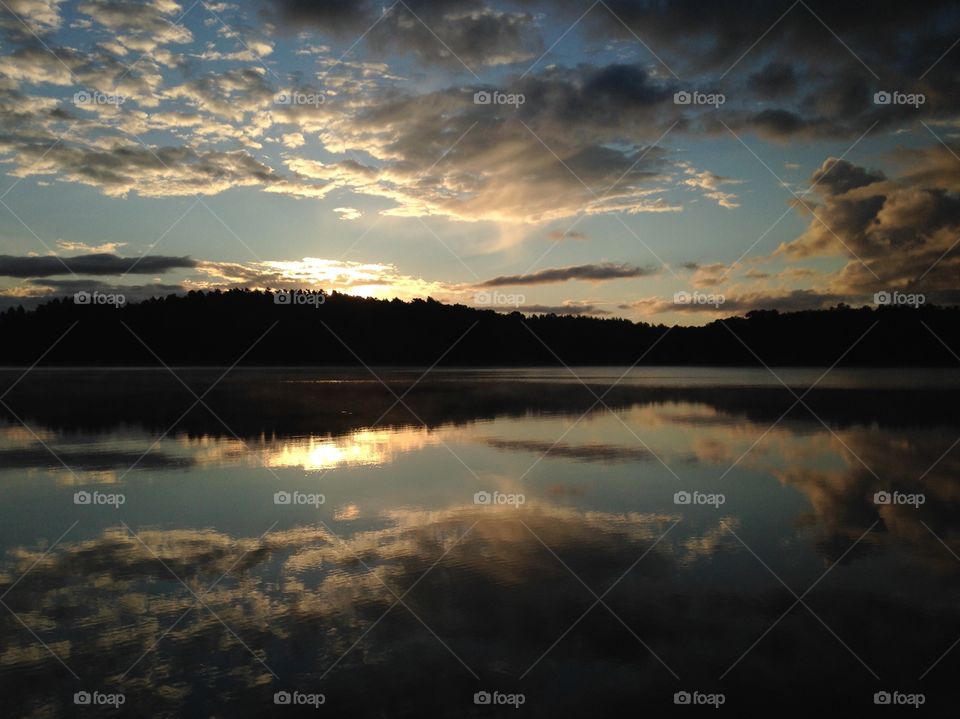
592	273
775	80
895	233
108	247
39	16
95	264
568	308
366	280
441	154
743	302
293	140
124	167
140	26
458	34
348	213
710	183
558	235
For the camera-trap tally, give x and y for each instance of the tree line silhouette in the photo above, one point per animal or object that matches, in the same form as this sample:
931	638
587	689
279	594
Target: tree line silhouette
251	328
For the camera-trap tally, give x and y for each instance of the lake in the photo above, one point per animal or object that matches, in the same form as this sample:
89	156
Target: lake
477	542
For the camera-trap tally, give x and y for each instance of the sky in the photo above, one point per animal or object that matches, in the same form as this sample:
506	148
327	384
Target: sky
667	162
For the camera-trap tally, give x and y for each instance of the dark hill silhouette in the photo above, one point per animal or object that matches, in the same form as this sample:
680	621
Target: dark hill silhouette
219	328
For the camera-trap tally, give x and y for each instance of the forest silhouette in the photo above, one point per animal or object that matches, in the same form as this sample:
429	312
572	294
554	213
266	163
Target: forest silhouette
251	328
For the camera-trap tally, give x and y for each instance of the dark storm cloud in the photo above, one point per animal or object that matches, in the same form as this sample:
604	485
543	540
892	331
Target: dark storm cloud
716	34
824	90
96	264
897	233
438	31
593	273
774	80
840	176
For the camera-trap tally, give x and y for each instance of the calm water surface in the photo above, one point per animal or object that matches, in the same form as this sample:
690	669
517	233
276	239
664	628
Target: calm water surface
491	531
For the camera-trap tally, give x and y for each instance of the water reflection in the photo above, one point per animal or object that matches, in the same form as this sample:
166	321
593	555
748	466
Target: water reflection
279	597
